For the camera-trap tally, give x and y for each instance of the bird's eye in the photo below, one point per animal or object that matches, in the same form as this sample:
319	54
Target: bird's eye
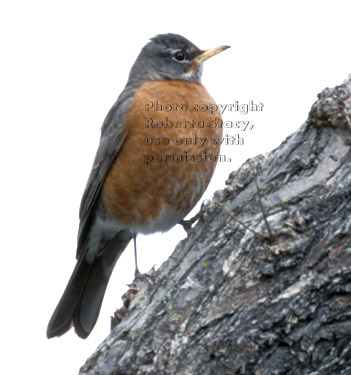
179	55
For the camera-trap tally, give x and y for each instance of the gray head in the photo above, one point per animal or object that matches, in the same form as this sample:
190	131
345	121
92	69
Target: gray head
170	56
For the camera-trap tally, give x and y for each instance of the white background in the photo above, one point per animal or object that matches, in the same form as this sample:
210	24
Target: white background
63	64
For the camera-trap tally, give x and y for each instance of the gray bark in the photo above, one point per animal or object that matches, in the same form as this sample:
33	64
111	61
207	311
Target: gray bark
229	301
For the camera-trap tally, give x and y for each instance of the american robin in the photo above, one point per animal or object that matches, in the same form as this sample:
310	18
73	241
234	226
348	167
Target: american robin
157	153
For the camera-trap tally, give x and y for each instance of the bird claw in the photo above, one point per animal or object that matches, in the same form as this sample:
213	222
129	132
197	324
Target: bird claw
187	224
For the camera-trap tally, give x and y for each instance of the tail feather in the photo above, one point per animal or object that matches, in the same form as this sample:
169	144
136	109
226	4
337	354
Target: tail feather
81	301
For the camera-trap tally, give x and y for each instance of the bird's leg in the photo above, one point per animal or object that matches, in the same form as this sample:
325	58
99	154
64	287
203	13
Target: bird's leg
138	276
137	273
187	224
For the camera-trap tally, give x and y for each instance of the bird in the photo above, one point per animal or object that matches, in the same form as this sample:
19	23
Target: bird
156	156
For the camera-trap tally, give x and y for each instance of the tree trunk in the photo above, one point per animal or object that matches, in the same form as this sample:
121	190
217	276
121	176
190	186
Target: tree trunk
231	301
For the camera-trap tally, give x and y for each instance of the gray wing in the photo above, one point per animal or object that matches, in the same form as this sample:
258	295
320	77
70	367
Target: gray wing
113	135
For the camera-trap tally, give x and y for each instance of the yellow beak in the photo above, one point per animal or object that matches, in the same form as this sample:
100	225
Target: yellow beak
208	53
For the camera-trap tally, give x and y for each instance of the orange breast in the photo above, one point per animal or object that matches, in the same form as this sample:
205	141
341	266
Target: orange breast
168	157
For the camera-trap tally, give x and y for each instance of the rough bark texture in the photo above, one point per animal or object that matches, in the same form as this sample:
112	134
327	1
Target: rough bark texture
229	301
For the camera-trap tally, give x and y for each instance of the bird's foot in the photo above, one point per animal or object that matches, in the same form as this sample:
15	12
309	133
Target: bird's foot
187	224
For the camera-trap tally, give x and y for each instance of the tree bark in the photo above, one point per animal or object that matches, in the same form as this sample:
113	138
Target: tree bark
231	301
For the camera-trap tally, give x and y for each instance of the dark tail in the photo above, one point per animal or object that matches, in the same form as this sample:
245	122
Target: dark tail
81	301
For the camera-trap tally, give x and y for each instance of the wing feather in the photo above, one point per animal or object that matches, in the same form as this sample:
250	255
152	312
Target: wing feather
113	135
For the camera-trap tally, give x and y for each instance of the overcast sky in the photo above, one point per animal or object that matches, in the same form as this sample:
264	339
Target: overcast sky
63	65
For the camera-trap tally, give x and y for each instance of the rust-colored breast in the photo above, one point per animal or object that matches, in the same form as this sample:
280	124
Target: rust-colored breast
168	157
